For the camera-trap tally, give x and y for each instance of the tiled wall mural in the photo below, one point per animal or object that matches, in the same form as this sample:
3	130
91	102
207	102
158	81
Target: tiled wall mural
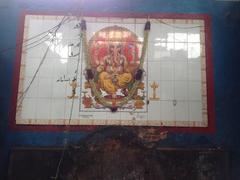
53	87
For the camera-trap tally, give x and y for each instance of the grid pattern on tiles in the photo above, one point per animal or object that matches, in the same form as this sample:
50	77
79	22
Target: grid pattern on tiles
175	60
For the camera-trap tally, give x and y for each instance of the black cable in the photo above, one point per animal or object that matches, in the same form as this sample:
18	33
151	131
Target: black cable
47	35
21	98
31	38
27	48
76	74
35	36
71	110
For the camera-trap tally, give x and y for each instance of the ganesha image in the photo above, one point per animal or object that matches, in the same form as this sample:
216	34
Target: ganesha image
113	71
114	54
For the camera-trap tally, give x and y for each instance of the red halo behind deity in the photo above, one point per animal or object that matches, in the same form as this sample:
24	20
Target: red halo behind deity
130	46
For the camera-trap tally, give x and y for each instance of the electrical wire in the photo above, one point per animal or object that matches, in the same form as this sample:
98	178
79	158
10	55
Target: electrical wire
80	57
35	45
47	35
47	32
21	98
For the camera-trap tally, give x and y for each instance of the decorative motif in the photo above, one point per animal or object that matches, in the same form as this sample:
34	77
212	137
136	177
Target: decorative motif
87	101
154	87
114	71
139	103
74	86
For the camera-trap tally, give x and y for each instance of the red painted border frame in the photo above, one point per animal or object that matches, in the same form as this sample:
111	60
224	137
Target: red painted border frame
54	128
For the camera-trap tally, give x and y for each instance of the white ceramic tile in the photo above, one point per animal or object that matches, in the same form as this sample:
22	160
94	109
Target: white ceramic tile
128	20
33	90
49	23
126	116
59	89
181	90
155	32
71	112
113	116
194	34
170	48
198	59
43	110
28	108
166	33
119	22
102	19
93	28
63	31
139	30
61	49
45	88
35	26
72	67
181	48
194	70
57	108
166	90
53	49
141	20
150	51
183	25
167	111
180	70
193	37
180	36
180	54
181	111
157	51
194	50
154	70
46	70
85	116
154	110
30	71
73	32
141	116
194	90
35	52
60	69
195	111
32	63
100	115
166	70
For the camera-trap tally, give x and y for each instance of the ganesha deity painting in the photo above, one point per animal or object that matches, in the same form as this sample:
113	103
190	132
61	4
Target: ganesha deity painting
113	71
114	55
